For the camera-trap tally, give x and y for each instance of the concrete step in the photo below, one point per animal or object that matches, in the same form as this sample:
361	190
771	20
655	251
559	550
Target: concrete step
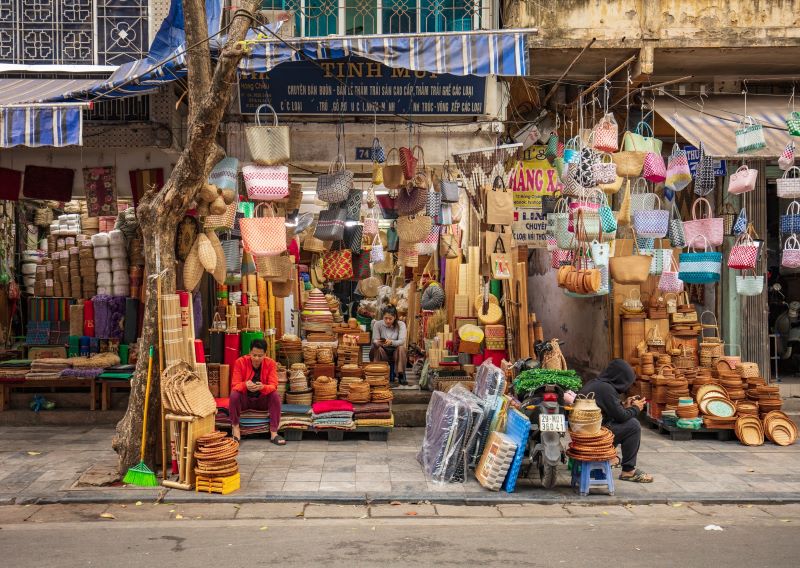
411	396
409	415
60	417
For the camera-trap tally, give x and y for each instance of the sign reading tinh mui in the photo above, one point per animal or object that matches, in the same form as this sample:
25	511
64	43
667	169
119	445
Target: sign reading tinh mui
369	88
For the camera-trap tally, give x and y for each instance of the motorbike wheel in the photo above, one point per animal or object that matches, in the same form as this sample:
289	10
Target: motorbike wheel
549	476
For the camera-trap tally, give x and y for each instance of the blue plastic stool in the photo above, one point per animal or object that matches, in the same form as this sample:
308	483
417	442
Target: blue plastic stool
586	475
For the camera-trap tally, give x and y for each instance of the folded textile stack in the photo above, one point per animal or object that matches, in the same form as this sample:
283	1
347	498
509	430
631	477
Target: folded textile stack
82	373
216	456
295	417
14	370
332	415
253	422
47	369
118	251
373	414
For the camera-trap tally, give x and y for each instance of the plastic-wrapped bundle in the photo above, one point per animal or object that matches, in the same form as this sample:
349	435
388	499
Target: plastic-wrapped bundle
490	385
477	421
447	426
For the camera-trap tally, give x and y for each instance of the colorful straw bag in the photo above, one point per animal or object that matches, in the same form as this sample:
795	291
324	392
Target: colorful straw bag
742	181
266	183
224	173
641	199
269	145
789	186
641	140
264	236
337	264
700	267
676	235
653	223
669	282
604	170
710	228
749	136
793	123
704	179
791	253
790	223
744	253
632	269
752	285
605	134
654	168
334	187
679	175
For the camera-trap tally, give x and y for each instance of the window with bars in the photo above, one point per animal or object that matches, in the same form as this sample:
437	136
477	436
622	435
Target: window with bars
314	18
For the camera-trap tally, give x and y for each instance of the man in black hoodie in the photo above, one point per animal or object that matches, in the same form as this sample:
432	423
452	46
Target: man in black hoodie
620	417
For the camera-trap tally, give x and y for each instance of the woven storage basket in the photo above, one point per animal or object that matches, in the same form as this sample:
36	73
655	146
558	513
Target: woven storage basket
274	268
749	370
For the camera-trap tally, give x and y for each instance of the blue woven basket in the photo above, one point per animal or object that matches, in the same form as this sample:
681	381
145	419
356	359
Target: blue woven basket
700	267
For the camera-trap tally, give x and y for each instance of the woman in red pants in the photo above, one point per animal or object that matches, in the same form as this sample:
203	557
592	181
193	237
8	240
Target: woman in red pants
254	385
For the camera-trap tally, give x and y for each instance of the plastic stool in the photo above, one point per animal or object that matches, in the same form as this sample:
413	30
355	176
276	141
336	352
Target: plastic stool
586	475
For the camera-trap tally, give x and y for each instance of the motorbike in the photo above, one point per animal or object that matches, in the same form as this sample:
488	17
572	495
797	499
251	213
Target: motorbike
545	450
787	329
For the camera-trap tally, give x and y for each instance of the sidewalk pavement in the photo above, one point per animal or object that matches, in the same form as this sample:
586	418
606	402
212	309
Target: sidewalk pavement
43	465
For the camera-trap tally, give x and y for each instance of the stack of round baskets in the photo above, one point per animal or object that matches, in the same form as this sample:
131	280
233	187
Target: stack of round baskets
325	388
216	455
592	447
381	394
309	354
586	417
711	347
325	355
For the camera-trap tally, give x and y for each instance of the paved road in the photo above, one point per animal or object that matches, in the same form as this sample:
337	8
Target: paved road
419	535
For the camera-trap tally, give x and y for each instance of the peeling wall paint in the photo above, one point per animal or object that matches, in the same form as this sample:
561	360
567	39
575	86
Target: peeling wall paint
702	22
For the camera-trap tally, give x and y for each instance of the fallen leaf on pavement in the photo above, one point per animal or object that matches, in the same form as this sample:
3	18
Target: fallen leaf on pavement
411	513
676	505
395	503
178	516
34	453
138	503
786	520
263	528
713	528
107	516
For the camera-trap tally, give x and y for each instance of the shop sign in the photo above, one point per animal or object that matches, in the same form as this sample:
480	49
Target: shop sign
303	88
693	157
533	182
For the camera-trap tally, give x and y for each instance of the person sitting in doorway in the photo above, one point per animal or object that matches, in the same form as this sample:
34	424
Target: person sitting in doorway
389	342
619	417
254	386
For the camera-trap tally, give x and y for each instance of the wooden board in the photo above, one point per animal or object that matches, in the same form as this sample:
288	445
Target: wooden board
451	284
521	282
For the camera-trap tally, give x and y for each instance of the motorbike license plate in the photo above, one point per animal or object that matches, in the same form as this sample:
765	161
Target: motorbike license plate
552	423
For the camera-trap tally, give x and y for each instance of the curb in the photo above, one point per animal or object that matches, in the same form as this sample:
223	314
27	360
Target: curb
769	498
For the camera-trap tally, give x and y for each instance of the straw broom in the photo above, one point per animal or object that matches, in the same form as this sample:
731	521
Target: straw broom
140	474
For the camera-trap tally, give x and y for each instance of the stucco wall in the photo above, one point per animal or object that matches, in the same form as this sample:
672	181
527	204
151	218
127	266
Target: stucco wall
676	22
582	324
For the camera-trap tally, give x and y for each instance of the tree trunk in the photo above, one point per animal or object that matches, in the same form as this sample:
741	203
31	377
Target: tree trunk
160	212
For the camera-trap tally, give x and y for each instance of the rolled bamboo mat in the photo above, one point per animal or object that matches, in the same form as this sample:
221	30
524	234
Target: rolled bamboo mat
174	344
451	283
224	381
473	277
202	371
262	302
186	329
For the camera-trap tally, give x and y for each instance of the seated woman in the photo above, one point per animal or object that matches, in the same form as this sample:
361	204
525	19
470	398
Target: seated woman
389	342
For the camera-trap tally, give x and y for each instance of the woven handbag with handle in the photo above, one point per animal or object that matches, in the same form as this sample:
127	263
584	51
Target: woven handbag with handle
744	253
330	225
749	136
448	187
274	268
413	229
224	173
641	198
408	161
749	285
706	228
653	223
604	170
269	145
605	134
266	183
392	172
679	175
700	267
654	168
704	180
791	253
790	223
632	269
264	236
793	123
743	180
410	200
378	154
353	205
334	187
669	281
789	184
676	233
337	264
641	140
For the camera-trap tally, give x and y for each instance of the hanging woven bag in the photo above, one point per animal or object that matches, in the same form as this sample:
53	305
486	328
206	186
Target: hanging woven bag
742	181
679	174
269	145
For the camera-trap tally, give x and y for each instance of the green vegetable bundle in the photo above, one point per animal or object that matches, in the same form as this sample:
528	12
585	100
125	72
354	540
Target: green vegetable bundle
532	379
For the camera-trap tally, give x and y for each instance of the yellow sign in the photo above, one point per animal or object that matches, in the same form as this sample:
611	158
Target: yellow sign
530	181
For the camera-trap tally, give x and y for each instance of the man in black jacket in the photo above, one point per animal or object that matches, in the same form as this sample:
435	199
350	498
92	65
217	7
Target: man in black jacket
620	418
